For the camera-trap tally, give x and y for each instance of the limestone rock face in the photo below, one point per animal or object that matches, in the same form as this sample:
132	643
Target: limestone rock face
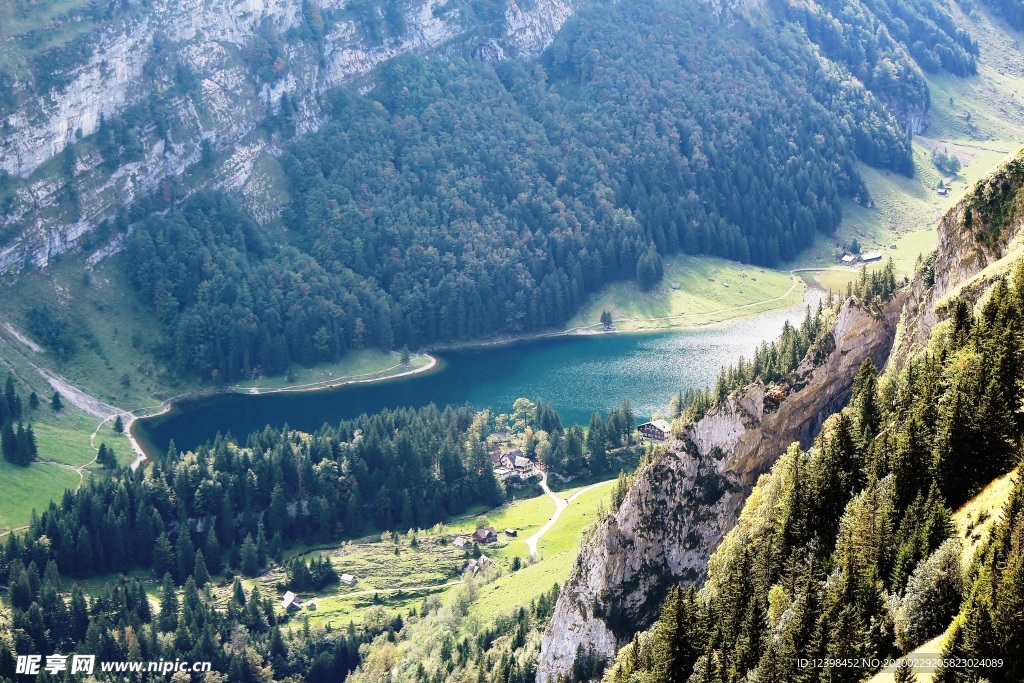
679	508
963	259
212	39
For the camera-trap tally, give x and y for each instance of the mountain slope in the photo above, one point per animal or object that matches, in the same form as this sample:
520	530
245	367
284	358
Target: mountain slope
908	444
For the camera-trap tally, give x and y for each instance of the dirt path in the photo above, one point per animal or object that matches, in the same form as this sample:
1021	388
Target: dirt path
35	348
377	591
87	403
560	505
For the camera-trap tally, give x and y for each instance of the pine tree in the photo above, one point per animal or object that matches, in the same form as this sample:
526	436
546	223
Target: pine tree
185	554
55	402
168	605
250	565
163	556
11	399
672	650
9	444
904	673
200	573
105	457
237	593
118	425
262	547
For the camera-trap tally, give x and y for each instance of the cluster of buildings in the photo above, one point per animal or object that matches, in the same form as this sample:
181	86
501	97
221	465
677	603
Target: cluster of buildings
513	463
484	536
854	259
477	565
291	602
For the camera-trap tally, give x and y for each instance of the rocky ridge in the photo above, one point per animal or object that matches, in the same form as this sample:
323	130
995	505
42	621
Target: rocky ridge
680	507
213	40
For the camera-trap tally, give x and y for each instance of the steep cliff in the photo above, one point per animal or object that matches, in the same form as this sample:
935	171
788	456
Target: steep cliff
211	71
974	237
679	508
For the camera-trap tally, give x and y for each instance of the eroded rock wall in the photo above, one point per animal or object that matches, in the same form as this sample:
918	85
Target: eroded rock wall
679	508
213	39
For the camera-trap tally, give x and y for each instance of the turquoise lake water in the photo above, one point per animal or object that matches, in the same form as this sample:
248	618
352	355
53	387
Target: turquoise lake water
578	375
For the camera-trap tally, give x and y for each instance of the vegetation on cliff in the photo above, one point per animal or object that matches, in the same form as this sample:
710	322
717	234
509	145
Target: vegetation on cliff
847	550
453	185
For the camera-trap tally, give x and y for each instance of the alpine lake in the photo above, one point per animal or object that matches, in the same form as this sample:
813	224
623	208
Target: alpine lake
577	374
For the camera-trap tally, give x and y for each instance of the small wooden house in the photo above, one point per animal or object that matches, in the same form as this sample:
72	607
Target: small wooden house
488	535
290	602
659	430
511	532
347	580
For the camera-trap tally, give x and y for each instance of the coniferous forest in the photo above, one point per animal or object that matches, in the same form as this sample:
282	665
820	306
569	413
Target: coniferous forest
853	553
453	185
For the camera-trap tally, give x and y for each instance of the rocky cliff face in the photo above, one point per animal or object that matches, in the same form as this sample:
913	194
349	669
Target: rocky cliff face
679	508
973	236
222	44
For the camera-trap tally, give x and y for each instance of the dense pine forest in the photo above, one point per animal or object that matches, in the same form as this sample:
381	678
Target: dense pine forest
17	440
453	185
238	505
848	550
234	508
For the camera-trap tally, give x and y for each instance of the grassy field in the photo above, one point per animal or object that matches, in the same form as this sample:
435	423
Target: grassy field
557	551
400	580
359	364
710	291
976	518
28	488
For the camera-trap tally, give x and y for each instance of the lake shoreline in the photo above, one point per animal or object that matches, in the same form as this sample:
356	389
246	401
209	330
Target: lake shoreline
134	418
590	331
580	371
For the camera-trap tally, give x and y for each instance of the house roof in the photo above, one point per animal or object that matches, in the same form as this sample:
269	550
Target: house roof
872	256
662	425
849	258
288	599
522	462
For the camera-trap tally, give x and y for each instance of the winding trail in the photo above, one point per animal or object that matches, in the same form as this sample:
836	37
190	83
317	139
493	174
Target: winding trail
411	589
560	505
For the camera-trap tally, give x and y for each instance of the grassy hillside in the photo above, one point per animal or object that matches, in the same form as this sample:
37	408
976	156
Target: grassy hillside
980	120
695	291
400	580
